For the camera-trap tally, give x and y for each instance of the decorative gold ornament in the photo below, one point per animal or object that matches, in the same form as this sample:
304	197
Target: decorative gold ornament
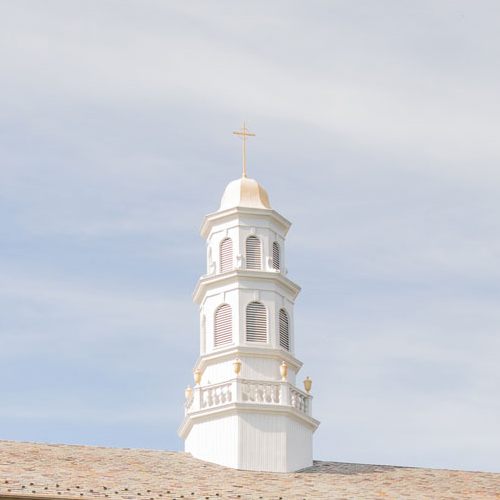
244	133
307	384
197	376
237	366
188	392
283	370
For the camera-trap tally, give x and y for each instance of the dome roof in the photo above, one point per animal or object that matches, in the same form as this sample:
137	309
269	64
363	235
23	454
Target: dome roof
244	192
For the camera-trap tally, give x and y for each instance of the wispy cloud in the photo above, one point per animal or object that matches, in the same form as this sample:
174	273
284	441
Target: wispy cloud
376	135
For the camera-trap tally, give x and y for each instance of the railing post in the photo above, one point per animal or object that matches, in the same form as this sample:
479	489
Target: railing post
309	406
197	398
285	393
236	390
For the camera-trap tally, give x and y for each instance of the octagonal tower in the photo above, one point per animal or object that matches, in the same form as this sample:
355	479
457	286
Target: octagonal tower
245	410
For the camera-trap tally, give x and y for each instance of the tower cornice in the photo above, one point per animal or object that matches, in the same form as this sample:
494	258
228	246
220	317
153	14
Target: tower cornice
212	218
237	408
207	281
230	352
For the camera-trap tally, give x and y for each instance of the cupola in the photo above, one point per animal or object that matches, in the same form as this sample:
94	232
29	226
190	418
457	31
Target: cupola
245	410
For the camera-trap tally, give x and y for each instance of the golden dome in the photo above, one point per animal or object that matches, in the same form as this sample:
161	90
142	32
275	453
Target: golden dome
244	192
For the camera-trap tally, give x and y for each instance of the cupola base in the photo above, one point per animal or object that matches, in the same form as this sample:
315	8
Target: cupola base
249	440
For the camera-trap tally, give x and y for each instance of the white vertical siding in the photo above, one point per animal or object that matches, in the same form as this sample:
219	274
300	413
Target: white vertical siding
299	445
214	440
263	442
203	336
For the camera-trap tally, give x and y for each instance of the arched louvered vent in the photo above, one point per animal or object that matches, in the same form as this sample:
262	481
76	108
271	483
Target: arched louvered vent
284	330
276	256
253	252
223	331
226	255
256	322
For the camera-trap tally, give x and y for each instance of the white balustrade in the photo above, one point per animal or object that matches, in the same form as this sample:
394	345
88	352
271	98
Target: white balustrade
189	403
248	391
261	392
216	395
299	400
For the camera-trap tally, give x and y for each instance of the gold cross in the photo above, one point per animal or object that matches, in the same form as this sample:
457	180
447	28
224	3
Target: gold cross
244	133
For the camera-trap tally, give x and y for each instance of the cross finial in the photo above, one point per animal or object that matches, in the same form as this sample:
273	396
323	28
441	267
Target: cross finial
244	133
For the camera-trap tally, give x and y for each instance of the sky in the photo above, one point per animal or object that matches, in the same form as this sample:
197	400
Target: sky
377	135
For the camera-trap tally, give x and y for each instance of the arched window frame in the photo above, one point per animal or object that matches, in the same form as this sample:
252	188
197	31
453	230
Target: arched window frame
253	252
284	329
223	326
226	255
256	330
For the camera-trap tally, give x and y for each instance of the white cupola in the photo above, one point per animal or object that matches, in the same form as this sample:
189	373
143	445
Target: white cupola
245	410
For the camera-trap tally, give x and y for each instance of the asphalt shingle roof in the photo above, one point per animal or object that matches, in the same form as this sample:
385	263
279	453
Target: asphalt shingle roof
34	471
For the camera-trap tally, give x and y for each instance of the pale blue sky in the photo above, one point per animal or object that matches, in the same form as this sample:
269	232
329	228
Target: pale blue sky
377	136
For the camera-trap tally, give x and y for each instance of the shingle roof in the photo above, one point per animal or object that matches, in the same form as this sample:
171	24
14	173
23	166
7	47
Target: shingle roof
32	470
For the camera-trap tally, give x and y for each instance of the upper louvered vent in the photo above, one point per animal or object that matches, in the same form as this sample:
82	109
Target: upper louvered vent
276	256
226	255
284	330
253	252
256	322
223	334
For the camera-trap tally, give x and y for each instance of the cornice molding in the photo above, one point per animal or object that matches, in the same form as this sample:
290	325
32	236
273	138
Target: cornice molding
208	281
236	408
210	219
229	353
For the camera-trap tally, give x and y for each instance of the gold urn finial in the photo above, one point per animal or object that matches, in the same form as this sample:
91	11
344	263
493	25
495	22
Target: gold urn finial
188	392
283	370
307	384
197	376
237	366
244	133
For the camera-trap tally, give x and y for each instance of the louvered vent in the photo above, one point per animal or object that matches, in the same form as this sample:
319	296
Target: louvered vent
253	252
223	326
284	330
226	255
256	322
276	256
